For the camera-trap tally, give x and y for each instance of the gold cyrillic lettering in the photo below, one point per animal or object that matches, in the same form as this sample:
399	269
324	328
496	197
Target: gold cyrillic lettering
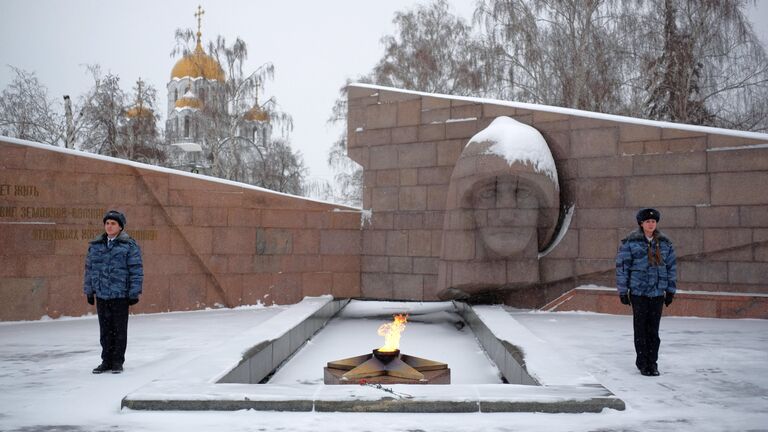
55	234
43	212
25	190
144	235
86	213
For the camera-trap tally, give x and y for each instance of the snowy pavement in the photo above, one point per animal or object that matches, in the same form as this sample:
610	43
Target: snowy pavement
714	377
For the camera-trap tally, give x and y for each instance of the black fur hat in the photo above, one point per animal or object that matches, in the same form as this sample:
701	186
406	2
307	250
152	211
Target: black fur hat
115	216
648	213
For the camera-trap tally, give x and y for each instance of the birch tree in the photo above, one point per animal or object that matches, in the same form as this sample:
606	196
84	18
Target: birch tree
687	61
706	66
111	122
102	110
555	52
138	134
283	169
432	50
27	112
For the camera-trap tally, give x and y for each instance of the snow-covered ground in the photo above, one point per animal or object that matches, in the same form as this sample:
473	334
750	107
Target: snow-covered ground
714	376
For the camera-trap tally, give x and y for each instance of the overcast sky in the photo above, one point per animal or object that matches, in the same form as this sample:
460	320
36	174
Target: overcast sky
314	46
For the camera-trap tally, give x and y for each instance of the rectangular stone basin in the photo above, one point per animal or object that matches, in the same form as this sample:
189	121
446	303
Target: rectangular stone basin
229	377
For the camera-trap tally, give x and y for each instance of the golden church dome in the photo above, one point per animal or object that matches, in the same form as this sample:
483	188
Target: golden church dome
189	100
138	111
198	64
256	114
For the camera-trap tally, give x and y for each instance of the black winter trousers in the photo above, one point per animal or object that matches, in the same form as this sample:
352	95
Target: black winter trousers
113	330
646	314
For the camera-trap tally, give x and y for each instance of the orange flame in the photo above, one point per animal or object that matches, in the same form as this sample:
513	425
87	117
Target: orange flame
391	333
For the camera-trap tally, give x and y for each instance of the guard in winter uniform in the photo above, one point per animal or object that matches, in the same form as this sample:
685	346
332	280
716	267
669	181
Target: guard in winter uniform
113	279
646	276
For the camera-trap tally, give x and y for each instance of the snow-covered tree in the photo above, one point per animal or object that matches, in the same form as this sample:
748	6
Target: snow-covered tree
283	169
103	122
113	123
432	50
102	110
555	52
139	136
705	66
688	61
26	111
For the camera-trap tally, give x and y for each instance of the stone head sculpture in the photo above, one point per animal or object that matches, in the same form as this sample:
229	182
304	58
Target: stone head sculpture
502	209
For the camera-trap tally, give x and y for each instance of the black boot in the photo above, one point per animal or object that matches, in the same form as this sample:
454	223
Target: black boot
116	369
650	371
102	368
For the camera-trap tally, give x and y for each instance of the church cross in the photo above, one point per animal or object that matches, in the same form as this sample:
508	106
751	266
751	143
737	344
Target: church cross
199	16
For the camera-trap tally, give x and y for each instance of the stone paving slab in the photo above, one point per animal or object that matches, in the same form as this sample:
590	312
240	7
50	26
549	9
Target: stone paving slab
459	398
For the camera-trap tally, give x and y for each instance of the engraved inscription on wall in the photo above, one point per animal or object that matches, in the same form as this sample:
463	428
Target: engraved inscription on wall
85	234
29	212
43	214
18	190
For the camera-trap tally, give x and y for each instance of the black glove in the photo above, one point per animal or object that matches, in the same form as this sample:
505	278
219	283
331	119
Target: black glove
132	301
624	298
90	299
668	298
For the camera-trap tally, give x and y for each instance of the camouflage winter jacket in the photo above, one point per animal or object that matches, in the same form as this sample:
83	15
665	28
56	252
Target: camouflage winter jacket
636	271
113	272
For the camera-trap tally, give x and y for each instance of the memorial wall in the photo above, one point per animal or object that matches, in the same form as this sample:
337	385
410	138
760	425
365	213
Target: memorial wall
427	159
206	243
463	198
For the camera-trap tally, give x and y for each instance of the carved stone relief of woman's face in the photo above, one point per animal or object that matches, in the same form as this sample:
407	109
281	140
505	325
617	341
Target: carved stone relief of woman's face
506	212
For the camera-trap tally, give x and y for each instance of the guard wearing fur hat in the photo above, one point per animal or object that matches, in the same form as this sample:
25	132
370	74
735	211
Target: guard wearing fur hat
113	278
646	277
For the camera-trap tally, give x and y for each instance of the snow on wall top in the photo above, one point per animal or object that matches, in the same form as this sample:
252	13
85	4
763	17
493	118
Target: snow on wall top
579	113
518	142
155	168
